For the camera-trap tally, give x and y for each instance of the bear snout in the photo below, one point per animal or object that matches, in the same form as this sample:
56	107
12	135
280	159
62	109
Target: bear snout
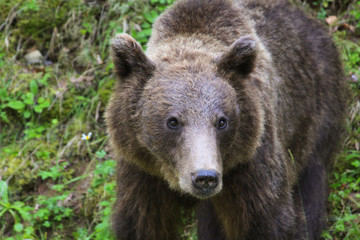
205	180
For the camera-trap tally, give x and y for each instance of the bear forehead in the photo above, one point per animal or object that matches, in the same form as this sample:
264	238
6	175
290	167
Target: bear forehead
203	88
192	96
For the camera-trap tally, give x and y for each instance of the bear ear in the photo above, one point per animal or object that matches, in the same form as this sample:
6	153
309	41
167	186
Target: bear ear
129	58
240	58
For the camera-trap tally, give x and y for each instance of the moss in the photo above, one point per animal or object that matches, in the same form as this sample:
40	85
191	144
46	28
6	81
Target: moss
33	19
18	170
105	89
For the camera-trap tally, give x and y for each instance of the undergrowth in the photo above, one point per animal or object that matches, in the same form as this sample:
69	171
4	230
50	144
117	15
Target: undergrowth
56	170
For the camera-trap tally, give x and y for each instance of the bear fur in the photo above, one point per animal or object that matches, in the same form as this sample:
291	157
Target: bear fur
236	110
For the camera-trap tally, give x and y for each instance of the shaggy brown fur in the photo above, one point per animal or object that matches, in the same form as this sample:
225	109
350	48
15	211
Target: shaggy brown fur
209	116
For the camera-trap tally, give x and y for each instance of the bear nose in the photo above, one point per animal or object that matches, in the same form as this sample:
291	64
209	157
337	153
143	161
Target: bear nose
205	180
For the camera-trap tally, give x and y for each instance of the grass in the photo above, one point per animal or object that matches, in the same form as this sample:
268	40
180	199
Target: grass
56	185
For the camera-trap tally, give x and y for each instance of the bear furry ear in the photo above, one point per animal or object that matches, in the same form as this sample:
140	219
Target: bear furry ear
240	58
129	58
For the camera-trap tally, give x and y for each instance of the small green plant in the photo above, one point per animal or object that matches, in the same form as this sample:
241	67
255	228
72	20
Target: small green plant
19	212
149	18
54	172
52	210
103	188
344	196
355	13
27	104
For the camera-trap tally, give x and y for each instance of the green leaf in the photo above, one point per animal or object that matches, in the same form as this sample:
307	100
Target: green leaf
41	99
100	154
31	133
40	129
4	196
18	205
356	163
41	106
3	93
353	155
4	117
29	101
29	231
46	224
147	32
25	214
326	235
151	16
145	25
45	104
148	17
105	203
34	87
3	211
58	187
29	98
17	105
27	114
340	226
14	214
38	109
44	79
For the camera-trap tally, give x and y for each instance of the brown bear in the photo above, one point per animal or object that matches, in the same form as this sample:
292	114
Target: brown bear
236	111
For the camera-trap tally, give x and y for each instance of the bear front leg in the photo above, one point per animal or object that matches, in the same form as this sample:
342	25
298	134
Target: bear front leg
311	204
254	204
145	207
248	220
209	227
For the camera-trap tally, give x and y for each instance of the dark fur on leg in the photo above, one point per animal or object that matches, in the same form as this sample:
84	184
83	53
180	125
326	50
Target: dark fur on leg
267	214
145	211
312	202
209	227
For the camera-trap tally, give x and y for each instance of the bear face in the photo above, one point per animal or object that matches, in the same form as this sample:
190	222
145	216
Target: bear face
189	124
188	113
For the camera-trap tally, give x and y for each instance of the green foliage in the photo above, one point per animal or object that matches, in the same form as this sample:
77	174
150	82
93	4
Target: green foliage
52	210
100	185
24	101
344	196
35	19
17	210
350	52
355	14
54	173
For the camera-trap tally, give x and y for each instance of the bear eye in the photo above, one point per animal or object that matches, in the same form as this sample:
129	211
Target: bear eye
222	123
173	123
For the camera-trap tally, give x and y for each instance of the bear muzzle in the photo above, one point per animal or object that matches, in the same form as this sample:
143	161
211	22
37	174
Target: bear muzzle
205	183
205	180
202	184
200	164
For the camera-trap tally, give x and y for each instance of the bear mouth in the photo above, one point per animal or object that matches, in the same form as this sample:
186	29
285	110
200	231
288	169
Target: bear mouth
202	183
204	194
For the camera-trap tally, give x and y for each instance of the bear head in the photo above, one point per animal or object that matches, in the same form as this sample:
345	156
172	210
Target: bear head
184	115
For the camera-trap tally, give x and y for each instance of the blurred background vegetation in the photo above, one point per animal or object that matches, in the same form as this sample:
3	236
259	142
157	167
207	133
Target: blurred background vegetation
56	169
